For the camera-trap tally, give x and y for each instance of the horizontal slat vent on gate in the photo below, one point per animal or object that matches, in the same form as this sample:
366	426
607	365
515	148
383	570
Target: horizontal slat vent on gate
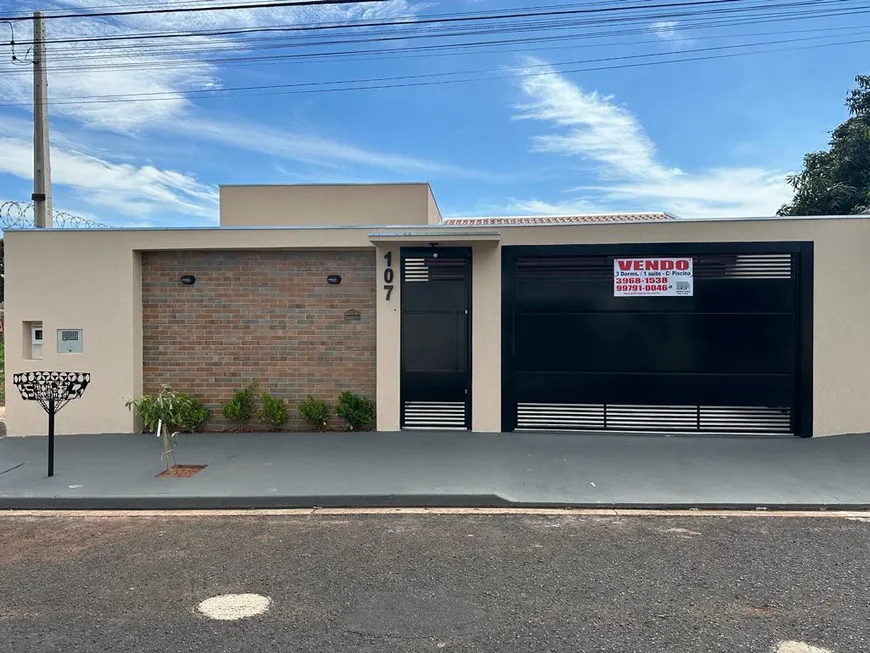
434	269
560	416
565	267
746	420
434	415
718	266
743	266
653	419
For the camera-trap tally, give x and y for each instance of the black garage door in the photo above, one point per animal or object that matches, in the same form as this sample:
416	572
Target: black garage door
733	357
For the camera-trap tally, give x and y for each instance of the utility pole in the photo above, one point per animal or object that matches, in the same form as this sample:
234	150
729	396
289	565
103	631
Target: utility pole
41	153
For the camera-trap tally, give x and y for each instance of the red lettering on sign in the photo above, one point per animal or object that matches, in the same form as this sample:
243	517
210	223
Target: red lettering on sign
642	265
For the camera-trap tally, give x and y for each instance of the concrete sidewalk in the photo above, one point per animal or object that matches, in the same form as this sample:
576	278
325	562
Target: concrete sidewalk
440	469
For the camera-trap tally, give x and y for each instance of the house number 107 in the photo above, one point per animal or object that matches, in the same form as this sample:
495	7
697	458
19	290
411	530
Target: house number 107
388	274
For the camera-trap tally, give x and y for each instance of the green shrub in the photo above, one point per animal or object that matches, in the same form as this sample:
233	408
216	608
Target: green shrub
356	410
179	411
191	414
315	412
241	407
273	411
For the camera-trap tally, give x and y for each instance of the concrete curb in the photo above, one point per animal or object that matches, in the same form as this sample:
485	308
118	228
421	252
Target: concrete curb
690	513
384	501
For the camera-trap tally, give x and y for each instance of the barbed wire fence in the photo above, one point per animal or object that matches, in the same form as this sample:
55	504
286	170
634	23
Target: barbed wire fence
19	215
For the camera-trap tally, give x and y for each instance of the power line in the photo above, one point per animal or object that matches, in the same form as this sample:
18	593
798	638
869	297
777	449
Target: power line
12	43
861	29
146	64
576	70
458	18
91	8
316	87
405	81
179	10
366	53
443	50
393	21
149	63
181	49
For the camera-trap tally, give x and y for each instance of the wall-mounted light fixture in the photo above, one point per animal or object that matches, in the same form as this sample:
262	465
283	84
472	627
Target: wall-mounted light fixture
188	279
333	279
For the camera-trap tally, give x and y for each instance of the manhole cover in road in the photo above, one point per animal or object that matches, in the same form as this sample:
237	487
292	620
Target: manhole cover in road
414	615
799	647
230	607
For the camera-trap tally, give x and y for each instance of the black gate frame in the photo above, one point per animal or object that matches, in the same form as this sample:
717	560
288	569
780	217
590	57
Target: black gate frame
467	254
802	272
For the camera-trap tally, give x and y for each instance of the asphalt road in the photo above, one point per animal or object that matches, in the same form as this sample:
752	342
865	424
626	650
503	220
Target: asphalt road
377	584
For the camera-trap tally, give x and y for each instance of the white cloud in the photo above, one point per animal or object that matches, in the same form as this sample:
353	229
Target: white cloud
18	213
78	72
310	149
128	189
669	30
534	205
91	69
105	180
714	193
593	127
666	29
109	170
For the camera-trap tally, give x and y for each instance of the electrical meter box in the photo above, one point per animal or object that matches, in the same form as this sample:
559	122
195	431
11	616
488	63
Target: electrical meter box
36	340
69	341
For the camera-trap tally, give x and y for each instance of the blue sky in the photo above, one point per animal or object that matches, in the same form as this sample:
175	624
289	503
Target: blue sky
532	134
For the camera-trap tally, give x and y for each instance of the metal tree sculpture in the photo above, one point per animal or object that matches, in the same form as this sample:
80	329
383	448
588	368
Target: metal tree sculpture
53	391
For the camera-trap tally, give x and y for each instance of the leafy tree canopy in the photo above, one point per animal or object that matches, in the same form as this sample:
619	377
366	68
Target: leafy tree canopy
837	181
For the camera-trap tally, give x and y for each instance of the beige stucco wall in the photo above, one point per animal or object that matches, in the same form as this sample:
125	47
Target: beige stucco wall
841	347
93	288
325	204
434	213
137	354
486	338
389	338
91	280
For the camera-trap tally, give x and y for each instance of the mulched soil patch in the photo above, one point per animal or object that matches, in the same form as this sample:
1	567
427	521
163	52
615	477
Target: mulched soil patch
181	471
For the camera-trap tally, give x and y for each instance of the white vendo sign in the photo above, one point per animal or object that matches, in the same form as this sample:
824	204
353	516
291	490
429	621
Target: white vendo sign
652	277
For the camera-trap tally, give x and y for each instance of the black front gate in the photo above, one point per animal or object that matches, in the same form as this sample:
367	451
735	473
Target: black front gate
436	334
735	356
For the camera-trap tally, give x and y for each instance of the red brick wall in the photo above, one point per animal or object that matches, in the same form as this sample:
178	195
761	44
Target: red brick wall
264	315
